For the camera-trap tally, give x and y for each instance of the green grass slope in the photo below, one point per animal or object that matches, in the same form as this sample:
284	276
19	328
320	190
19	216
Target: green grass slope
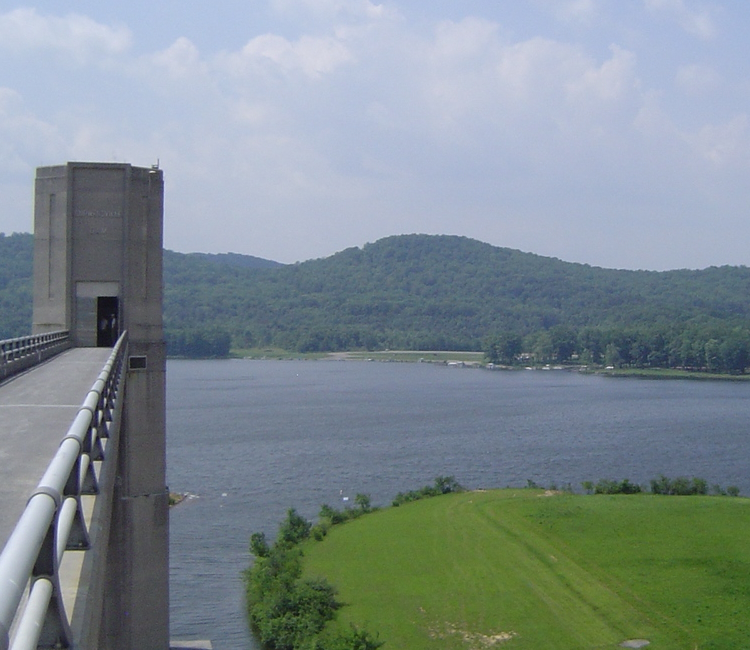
517	569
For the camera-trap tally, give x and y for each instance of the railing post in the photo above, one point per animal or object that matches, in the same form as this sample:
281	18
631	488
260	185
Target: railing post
21	353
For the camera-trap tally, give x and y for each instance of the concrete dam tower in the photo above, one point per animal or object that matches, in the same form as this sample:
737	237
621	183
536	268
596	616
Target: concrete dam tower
97	273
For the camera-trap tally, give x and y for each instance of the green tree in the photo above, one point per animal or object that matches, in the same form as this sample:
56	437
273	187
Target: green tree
612	356
590	345
735	351
712	350
293	529
363	502
541	347
258	545
503	348
563	341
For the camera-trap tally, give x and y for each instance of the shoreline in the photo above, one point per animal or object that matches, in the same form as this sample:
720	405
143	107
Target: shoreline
473	359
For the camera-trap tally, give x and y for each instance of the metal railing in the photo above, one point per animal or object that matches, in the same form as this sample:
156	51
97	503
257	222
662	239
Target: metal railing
54	521
26	351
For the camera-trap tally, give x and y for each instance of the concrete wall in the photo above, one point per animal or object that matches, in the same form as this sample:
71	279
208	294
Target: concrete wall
52	251
98	235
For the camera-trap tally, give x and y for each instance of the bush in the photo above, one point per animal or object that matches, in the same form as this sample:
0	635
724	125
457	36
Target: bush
294	529
286	611
332	517
258	545
320	530
680	486
605	486
442	485
353	639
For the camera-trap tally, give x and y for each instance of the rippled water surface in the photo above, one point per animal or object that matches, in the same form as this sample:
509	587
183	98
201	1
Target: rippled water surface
253	438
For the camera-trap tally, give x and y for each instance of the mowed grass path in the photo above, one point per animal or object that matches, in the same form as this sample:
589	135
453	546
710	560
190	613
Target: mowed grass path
518	569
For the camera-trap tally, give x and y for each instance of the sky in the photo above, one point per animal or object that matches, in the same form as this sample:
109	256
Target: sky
608	132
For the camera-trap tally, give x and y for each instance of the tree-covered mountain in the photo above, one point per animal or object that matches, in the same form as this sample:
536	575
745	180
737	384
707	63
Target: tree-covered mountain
16	259
441	292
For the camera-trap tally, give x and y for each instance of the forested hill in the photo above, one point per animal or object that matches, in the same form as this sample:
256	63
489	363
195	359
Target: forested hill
436	292
16	258
445	292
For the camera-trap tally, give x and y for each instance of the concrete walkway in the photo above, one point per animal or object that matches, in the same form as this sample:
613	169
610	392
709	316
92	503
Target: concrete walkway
36	409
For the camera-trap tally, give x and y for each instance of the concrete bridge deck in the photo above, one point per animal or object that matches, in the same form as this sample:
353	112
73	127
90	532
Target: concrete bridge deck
36	409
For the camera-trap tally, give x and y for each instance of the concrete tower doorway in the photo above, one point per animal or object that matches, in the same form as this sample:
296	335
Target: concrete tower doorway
108	321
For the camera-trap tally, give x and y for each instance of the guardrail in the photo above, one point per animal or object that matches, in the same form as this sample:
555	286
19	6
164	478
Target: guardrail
54	521
26	351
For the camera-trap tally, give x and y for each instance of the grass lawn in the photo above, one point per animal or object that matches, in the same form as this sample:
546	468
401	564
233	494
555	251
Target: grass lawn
274	353
517	569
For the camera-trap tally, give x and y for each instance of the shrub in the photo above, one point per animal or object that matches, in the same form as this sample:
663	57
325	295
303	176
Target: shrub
286	611
680	486
332	517
294	529
605	486
258	545
626	487
363	502
320	530
442	485
353	639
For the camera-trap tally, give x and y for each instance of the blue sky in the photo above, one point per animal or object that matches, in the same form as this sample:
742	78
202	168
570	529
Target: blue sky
610	132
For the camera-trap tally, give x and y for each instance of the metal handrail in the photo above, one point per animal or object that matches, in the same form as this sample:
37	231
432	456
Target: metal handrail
25	351
53	520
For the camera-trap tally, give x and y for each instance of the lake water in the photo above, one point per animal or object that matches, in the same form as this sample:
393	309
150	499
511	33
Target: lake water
253	438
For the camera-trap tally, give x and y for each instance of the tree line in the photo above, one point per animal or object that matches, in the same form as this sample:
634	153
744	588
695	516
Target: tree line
711	348
425	292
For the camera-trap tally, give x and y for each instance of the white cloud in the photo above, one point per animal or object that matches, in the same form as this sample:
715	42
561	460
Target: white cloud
464	40
331	8
24	138
611	81
699	23
571	11
253	114
181	59
77	36
724	144
313	56
697	79
475	79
